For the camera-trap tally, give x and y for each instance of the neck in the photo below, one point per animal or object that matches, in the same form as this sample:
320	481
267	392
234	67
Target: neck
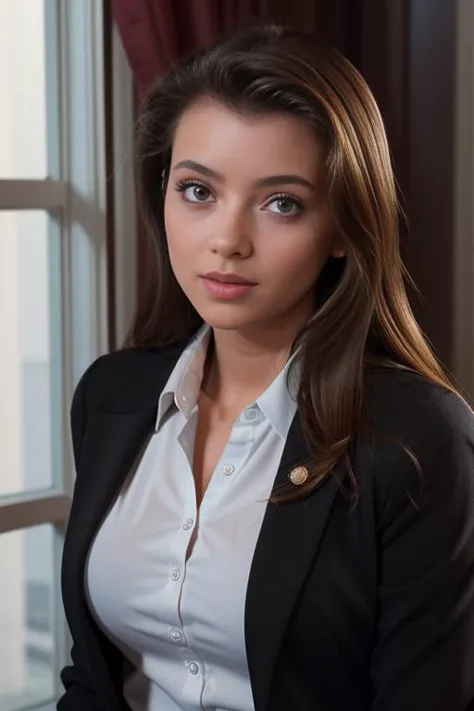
239	366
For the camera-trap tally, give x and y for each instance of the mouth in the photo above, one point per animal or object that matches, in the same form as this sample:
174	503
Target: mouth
228	278
221	289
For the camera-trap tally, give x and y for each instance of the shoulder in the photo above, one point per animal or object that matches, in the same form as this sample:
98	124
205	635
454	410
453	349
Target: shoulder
417	443
407	406
127	379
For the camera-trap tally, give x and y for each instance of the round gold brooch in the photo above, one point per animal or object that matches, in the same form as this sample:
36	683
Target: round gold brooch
299	475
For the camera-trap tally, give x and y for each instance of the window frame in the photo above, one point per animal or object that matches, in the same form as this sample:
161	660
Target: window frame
76	189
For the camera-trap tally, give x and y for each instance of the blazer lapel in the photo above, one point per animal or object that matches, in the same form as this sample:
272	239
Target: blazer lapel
114	438
111	446
287	545
113	442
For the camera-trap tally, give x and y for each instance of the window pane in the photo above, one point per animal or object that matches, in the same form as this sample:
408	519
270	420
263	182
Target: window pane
30	354
23	89
27	630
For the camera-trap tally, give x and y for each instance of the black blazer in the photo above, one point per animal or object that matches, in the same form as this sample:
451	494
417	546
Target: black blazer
369	609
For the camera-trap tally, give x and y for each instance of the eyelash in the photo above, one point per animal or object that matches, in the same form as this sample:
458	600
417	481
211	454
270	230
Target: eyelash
184	184
290	198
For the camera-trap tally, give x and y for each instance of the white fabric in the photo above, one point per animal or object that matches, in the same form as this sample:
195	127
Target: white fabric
181	624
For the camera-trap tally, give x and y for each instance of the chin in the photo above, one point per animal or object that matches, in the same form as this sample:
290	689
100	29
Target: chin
228	324
218	318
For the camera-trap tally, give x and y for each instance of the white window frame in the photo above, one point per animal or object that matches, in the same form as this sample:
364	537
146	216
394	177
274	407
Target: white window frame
76	189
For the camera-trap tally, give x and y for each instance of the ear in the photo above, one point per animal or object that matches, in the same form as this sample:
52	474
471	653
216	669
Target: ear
338	252
338	247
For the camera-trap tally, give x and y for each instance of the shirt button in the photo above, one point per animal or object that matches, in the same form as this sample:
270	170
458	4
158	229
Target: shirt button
250	413
175	636
175	574
188	524
193	668
228	469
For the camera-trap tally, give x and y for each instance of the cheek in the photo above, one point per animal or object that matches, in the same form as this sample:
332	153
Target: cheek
181	237
175	225
297	261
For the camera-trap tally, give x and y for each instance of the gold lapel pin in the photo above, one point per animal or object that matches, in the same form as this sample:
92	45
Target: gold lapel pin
299	475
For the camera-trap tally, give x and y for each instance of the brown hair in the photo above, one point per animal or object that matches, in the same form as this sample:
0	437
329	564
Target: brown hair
363	315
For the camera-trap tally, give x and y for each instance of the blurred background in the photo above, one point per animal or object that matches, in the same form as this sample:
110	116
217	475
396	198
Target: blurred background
72	256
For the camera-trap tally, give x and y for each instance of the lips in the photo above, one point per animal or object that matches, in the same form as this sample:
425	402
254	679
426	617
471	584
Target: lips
228	278
226	286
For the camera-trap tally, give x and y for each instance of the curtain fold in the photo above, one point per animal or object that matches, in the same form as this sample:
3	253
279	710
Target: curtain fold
156	33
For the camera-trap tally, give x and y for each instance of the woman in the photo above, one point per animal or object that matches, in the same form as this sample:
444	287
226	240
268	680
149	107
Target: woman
274	506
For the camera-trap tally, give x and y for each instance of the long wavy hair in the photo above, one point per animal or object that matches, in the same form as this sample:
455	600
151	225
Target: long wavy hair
362	315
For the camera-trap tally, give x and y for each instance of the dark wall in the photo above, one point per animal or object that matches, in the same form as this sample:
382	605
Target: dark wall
406	51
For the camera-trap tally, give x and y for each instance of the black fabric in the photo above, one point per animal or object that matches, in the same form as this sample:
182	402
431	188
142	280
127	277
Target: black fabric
370	609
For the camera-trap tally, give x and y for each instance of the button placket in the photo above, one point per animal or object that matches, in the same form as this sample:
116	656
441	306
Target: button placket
175	574
194	668
176	636
237	449
228	469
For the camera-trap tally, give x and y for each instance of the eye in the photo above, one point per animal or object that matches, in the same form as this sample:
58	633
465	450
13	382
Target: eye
284	205
194	191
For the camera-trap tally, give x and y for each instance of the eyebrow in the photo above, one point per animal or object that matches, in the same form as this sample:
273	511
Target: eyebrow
270	181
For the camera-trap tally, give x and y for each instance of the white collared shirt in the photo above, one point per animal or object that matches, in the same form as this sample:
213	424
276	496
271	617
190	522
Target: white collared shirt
181	623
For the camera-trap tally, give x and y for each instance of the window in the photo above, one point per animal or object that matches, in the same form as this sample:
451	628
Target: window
28	653
53	312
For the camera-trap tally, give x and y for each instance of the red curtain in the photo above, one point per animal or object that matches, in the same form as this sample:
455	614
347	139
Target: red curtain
155	33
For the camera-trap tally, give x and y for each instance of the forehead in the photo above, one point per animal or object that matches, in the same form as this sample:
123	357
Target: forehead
253	145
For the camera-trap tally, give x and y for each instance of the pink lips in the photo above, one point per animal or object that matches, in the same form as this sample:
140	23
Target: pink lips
226	286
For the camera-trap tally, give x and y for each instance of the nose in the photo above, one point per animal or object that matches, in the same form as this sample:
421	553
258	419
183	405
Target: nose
232	234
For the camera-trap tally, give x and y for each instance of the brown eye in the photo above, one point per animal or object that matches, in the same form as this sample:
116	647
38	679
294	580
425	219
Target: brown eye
200	194
195	192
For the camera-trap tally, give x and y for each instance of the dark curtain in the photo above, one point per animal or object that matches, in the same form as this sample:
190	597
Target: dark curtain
155	33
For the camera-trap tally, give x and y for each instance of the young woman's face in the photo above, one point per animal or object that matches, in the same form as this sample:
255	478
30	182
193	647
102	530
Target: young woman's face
246	197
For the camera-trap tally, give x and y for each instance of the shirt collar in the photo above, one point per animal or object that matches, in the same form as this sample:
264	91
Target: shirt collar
184	383
277	403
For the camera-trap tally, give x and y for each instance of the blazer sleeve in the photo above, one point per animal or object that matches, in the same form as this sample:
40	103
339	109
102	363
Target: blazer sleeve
79	695
79	692
424	651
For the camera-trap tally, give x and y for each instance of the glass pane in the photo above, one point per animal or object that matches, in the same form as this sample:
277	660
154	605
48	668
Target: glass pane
23	89
27	628
29	356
